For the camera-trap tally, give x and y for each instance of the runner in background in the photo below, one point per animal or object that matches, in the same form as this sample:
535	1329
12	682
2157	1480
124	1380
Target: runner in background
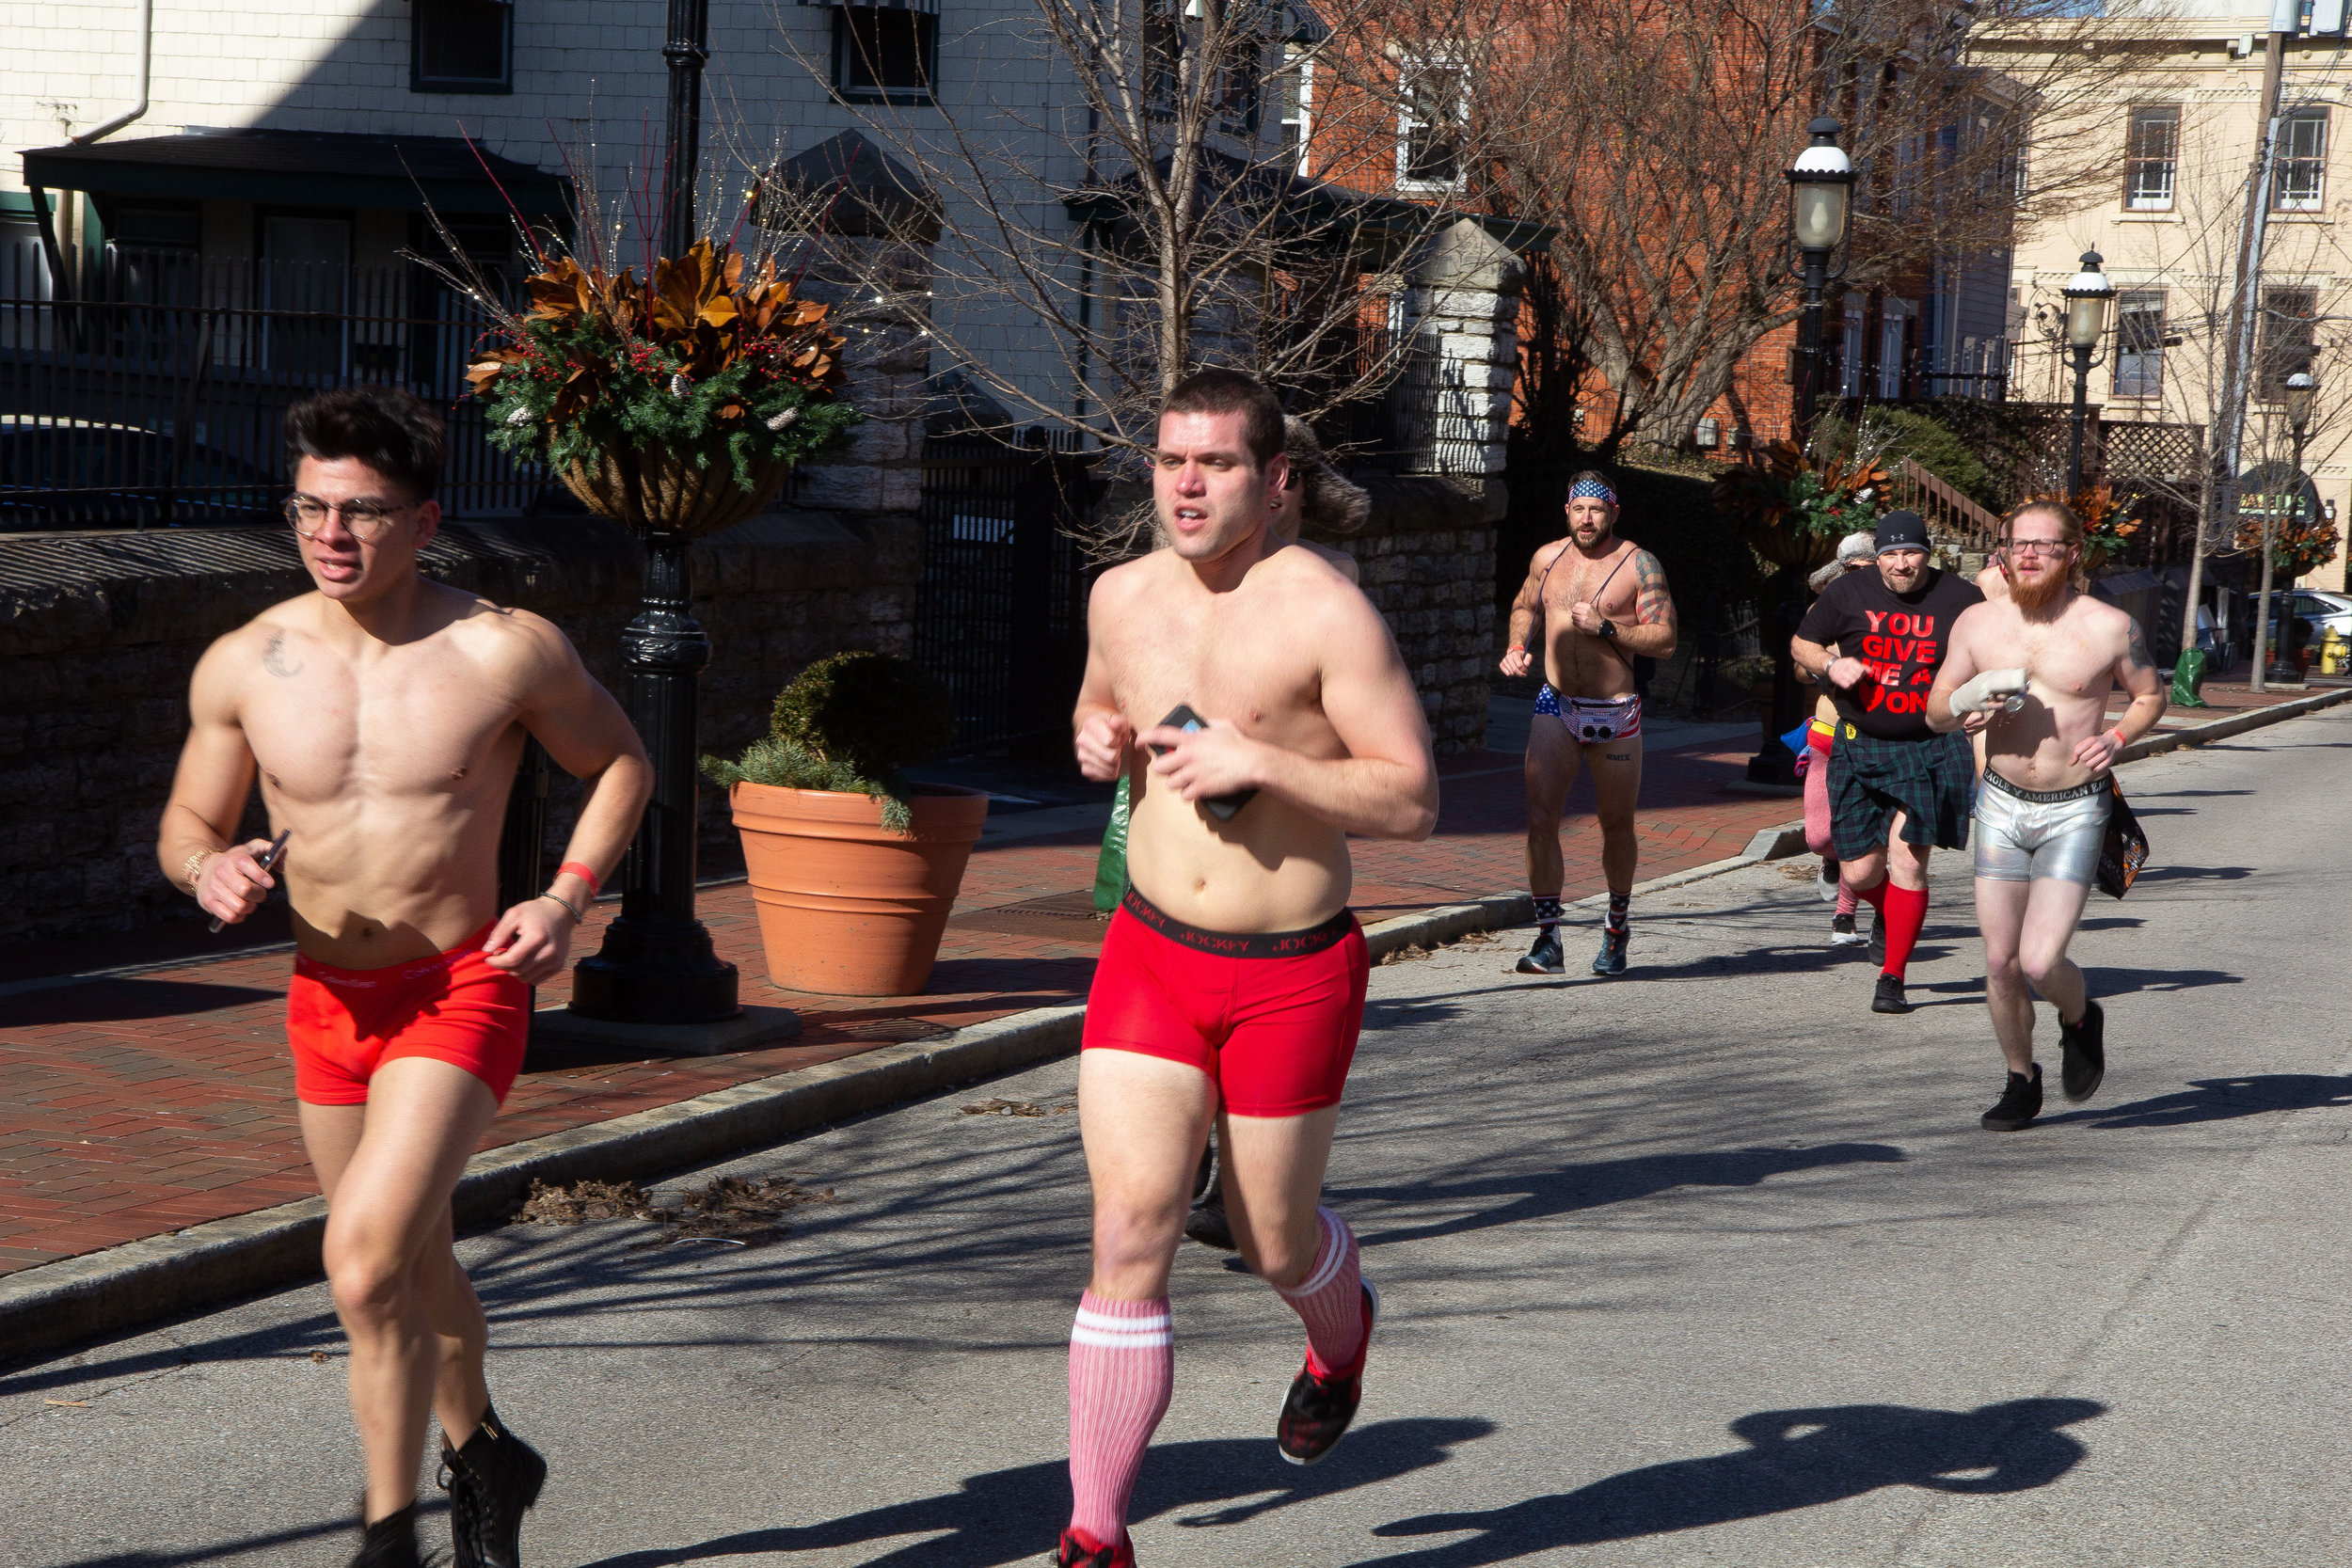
1854	551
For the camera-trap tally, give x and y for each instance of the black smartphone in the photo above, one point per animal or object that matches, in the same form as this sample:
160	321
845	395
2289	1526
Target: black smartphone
1222	807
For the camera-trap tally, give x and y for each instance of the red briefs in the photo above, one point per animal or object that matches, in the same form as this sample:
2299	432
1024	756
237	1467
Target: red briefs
1270	1017
344	1023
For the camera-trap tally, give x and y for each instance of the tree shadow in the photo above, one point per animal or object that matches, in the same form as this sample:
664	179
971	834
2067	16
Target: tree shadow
1539	1195
1795	1459
1006	1516
429	1509
122	1000
2124	982
2138	796
2221	1099
2196	873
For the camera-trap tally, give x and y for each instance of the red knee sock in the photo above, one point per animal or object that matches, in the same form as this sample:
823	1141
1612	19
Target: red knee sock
1331	1300
1904	912
1875	896
1122	1365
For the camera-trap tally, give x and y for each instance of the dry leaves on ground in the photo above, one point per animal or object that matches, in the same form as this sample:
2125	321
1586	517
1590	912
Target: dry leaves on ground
1405	955
1012	1108
730	1208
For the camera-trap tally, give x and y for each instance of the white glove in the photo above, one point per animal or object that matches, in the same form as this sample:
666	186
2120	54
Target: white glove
1988	692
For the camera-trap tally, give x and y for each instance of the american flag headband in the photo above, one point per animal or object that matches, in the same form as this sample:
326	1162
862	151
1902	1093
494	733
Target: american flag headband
1592	489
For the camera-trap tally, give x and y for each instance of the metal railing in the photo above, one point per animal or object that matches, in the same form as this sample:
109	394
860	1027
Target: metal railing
1949	513
153	396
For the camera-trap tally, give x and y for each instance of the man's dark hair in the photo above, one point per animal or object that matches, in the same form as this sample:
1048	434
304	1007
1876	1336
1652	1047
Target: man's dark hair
394	431
1220	391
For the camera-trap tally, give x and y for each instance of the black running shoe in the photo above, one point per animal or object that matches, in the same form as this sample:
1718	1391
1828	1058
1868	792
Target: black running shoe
2084	1060
1611	958
2021	1102
1878	942
1825	885
1888	998
1316	1411
1207	1225
390	1542
1842	934
490	1483
1545	957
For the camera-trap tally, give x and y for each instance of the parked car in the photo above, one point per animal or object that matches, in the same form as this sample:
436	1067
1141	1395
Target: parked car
2321	608
62	473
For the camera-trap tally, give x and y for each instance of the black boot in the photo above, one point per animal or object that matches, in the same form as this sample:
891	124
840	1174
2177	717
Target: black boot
390	1542
490	1483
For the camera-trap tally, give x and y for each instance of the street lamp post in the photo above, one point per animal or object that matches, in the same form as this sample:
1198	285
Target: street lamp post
2299	394
2087	295
1820	183
657	964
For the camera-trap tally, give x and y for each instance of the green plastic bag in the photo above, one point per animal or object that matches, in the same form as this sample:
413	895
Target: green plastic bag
2188	676
1110	866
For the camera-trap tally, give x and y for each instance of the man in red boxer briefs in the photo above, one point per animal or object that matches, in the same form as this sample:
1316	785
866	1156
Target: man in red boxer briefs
1231	981
385	713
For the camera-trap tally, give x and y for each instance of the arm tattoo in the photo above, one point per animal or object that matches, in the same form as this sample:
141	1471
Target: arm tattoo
1652	605
2136	646
274	658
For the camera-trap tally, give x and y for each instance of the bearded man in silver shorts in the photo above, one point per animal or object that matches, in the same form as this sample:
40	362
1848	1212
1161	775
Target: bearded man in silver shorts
2038	665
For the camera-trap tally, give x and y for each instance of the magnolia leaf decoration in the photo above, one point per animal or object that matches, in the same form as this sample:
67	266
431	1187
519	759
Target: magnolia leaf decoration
700	360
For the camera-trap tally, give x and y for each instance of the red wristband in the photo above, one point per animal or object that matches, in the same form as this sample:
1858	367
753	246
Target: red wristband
594	884
2116	734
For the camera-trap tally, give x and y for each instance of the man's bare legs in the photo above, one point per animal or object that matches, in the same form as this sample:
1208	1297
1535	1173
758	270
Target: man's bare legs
1551	761
1905	864
1144	1121
1616	767
416	1331
2026	928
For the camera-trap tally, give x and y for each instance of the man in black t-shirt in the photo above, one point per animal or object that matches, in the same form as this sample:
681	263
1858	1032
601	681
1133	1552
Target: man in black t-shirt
1896	788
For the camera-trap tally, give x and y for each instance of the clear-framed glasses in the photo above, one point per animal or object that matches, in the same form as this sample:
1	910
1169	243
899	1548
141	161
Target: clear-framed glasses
2037	546
366	519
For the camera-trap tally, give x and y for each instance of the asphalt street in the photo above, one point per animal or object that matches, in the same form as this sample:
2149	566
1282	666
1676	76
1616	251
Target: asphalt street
1705	1265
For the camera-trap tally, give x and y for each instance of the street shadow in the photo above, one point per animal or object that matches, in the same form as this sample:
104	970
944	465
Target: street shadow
428	1509
2138	796
1541	1194
1795	1459
2221	1099
2139	810
121	1000
1008	1517
2195	873
2123	982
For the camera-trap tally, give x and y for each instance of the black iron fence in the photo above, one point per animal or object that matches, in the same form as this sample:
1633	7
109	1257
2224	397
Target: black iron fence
1000	615
152	397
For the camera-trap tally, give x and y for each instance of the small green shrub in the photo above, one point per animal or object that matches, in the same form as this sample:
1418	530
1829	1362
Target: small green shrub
876	712
847	723
1932	444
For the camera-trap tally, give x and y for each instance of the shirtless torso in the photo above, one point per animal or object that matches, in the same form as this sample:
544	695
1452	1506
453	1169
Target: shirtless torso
1581	663
2074	658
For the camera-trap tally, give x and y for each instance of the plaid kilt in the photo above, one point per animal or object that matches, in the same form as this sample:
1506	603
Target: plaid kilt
1933	782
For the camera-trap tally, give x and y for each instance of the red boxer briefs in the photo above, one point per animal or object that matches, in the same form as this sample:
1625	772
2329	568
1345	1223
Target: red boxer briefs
1270	1017
454	1007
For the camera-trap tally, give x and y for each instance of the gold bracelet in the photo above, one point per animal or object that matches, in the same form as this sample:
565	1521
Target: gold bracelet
193	867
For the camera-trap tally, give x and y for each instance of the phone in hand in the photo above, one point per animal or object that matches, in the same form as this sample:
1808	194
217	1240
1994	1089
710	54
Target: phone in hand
1222	807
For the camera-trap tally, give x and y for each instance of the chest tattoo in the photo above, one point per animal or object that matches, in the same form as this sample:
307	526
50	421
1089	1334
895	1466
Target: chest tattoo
275	660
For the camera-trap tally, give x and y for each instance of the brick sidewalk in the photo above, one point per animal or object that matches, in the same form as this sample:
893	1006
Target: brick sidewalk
138	1104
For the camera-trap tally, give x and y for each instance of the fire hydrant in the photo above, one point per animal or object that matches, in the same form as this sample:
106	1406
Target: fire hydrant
2335	654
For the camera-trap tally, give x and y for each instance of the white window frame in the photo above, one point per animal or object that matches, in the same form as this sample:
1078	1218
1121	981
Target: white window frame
2149	358
2303	159
1406	123
2134	164
1299	64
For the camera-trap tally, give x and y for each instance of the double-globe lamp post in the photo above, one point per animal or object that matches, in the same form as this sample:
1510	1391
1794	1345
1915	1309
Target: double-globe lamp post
2087	295
2298	395
1820	182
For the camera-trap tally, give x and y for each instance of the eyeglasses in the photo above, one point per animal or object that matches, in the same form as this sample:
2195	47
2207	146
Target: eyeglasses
2036	546
366	519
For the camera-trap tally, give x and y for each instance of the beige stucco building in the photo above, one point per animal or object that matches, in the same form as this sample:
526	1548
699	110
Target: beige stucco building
2182	136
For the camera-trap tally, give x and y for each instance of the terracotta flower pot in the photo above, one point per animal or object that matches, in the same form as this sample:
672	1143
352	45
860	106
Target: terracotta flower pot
848	908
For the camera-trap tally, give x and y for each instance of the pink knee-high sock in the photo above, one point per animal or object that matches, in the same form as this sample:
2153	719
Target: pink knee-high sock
1904	912
1816	823
1846	899
1331	1300
1122	1365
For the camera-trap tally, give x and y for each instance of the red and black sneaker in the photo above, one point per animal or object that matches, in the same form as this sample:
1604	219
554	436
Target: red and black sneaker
1081	1550
1318	1408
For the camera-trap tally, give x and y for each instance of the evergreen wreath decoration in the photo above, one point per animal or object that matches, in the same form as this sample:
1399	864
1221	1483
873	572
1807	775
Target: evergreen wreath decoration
695	365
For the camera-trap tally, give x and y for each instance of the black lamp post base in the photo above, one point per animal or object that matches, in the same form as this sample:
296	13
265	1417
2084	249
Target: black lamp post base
1775	766
655	971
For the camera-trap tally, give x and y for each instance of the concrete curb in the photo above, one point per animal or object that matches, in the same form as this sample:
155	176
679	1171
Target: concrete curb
78	1299
2222	729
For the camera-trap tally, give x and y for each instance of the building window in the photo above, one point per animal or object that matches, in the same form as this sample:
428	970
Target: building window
1163	54
1707	434
2151	155
2285	343
2139	343
1298	104
1431	111
2302	176
884	55
461	46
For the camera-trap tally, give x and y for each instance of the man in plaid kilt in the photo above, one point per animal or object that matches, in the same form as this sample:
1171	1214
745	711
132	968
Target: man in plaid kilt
1898	789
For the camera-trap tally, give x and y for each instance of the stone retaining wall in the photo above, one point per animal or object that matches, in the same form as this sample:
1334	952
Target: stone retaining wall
99	634
1427	560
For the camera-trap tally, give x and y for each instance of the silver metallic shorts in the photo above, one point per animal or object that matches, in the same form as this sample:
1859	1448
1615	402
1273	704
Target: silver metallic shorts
2027	834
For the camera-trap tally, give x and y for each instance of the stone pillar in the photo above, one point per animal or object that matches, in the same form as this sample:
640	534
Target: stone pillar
1462	299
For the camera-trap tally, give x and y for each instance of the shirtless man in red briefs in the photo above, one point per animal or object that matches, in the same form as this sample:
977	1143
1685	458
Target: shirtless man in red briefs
1231	981
385	713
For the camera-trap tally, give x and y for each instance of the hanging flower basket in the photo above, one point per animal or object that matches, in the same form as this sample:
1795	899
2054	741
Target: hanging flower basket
678	404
